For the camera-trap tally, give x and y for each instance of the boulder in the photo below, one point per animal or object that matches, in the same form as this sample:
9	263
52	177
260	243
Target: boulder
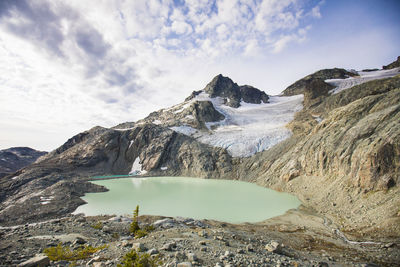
40	260
138	246
191	256
273	246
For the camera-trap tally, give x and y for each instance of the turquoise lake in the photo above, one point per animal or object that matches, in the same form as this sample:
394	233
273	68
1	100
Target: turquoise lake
223	200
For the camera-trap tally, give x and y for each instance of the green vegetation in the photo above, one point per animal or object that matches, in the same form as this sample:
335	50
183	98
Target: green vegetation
135	228
61	252
135	222
134	259
98	225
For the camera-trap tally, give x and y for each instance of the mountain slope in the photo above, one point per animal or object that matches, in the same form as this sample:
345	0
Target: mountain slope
346	162
15	158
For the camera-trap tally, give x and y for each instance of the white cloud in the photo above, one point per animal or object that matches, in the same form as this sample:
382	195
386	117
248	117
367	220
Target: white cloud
315	12
67	66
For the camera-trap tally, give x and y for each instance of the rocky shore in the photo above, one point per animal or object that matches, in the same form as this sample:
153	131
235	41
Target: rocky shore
298	238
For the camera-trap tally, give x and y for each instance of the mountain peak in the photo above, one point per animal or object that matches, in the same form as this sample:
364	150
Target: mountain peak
224	87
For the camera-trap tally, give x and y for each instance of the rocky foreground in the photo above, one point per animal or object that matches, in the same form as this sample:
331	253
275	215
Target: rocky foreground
299	238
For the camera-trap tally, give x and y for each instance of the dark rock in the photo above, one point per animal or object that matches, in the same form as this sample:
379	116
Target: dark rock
394	64
193	95
253	95
15	158
299	86
224	87
314	91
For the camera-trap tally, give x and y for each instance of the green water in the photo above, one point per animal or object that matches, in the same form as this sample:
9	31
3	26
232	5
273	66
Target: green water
223	200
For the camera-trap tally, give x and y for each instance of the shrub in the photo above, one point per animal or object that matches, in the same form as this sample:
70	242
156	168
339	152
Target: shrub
98	225
61	252
134	259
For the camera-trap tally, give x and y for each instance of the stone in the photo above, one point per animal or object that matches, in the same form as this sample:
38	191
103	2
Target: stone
228	254
91	261
184	264
249	247
126	243
153	251
79	241
273	246
168	246
204	249
165	223
138	246
202	242
240	251
202	233
40	260
99	264
106	229
191	256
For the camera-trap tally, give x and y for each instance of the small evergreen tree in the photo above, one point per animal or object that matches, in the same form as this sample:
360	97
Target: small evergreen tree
135	223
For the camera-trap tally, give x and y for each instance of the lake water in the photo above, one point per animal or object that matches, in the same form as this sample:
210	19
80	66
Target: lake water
223	200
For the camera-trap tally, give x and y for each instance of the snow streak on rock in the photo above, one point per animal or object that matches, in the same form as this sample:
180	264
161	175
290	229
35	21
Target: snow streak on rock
365	76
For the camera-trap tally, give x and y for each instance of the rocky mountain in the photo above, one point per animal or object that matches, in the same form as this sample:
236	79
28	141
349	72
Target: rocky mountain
15	158
395	64
318	77
332	139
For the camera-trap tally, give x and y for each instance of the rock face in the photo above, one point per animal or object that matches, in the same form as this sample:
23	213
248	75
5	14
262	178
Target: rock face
315	91
15	158
224	87
58	179
193	113
349	157
299	86
393	65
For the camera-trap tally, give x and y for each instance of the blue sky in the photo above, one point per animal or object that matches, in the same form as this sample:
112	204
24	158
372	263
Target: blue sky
70	65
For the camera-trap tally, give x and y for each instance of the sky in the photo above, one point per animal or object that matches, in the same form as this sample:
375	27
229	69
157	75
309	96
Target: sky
67	66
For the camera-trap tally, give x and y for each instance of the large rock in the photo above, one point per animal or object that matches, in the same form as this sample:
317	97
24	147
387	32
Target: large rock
40	260
273	246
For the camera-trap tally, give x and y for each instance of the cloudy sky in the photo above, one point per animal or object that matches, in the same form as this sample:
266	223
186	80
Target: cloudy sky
67	66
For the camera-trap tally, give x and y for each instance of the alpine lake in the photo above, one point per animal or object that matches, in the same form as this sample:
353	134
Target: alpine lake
222	200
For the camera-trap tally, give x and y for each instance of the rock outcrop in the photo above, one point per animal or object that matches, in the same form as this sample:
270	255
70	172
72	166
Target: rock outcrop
394	64
224	87
299	86
349	157
15	158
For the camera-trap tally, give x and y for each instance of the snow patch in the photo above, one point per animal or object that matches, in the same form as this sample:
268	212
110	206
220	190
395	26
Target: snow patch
364	76
137	168
157	122
185	129
123	129
130	144
164	168
249	129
